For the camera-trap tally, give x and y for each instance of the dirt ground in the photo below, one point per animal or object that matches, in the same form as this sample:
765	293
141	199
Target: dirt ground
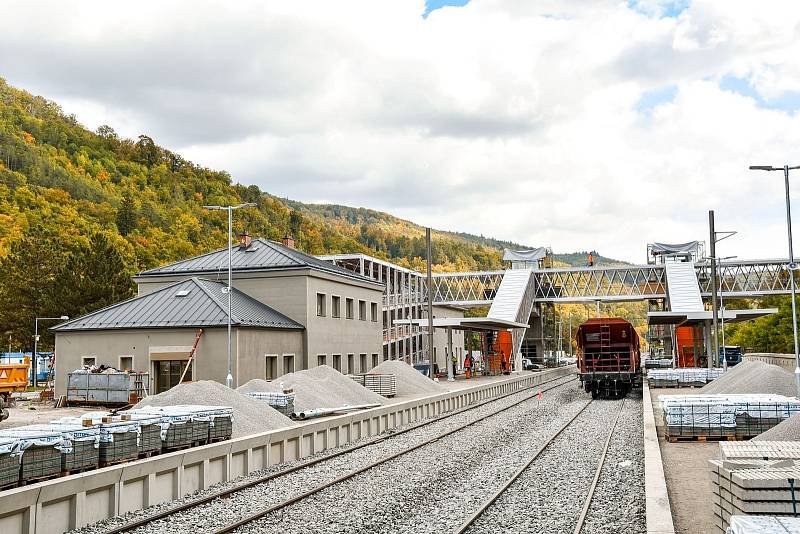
29	412
687	475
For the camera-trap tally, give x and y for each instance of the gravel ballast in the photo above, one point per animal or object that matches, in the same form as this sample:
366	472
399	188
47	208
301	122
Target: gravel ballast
250	416
319	387
219	513
788	430
409	380
753	377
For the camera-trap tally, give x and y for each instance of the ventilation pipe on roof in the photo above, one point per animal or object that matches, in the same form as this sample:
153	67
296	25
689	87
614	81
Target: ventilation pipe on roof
288	241
245	240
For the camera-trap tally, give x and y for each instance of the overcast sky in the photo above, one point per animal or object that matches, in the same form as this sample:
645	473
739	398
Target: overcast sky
578	124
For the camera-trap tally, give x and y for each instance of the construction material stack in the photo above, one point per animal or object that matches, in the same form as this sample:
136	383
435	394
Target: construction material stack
720	417
84	452
759	480
687	377
283	402
9	462
383	384
39	452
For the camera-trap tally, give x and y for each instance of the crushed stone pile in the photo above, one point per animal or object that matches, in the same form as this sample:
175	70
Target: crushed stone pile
409	380
250	416
788	430
753	377
319	387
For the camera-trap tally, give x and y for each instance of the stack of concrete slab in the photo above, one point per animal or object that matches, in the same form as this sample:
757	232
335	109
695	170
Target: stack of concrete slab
384	384
757	524
283	402
724	416
682	377
755	479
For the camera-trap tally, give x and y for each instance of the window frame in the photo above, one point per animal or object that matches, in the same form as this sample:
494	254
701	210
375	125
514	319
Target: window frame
373	311
337	362
362	310
274	358
336	306
119	361
321	310
322	359
349	311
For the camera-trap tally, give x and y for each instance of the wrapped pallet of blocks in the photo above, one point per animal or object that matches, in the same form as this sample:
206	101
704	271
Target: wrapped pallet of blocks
283	402
149	430
9	462
382	384
760	524
180	427
85	441
723	416
119	440
40	452
218	418
755	479
696	377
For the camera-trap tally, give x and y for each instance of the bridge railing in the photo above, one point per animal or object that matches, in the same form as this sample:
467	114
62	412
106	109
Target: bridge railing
747	278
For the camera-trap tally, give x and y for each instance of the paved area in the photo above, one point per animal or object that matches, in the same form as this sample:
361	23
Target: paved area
686	474
29	412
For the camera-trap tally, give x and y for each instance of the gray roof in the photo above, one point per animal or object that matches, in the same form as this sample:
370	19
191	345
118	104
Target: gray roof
261	255
193	302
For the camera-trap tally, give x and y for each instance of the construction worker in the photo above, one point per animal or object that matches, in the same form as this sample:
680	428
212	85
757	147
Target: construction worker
454	360
591	260
468	366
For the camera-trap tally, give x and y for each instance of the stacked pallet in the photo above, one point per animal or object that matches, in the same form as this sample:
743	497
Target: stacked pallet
657	363
283	402
755	479
682	377
384	384
39	452
9	463
83	453
756	524
723	416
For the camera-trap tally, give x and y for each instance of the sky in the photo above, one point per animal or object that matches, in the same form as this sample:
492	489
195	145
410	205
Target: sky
575	124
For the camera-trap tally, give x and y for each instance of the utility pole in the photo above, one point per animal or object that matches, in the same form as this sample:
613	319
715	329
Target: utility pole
714	312
570	334
430	306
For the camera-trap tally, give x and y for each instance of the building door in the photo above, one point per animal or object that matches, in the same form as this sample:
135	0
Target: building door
168	374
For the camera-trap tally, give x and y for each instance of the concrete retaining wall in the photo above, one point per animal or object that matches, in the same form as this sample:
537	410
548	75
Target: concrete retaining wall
783	360
79	500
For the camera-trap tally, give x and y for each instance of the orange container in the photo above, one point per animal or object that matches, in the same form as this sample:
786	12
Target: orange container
503	346
14	377
686	343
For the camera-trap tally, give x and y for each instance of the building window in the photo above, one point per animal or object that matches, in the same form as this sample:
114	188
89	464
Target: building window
362	363
351	364
288	363
348	308
337	362
321	304
362	310
125	363
373	309
374	359
89	360
168	373
336	306
321	359
271	372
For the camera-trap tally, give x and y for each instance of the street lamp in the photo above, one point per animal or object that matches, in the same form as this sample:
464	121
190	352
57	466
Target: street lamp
229	209
36	343
792	267
714	238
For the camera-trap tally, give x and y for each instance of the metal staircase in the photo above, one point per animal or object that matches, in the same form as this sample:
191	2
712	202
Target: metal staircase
514	302
683	290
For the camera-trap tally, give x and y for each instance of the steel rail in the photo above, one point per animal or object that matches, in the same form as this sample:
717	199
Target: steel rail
127	527
283	504
593	487
488	502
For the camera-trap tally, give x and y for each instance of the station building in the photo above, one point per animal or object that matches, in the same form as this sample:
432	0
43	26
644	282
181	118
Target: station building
291	311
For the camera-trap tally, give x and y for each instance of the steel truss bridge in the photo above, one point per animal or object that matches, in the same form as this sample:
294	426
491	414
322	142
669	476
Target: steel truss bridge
737	279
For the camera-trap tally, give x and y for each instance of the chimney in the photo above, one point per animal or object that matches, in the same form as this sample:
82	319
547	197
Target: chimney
288	241
245	240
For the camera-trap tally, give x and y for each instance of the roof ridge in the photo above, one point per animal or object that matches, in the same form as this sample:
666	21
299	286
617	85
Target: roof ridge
199	282
209	253
251	299
126	301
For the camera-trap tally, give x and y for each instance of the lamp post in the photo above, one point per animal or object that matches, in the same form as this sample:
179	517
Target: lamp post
714	238
228	290
36	343
792	267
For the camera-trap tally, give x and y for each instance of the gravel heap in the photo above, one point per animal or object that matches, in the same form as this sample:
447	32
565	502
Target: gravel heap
788	430
753	377
319	387
409	380
250	416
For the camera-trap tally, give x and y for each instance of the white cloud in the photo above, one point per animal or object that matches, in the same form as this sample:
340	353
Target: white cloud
514	119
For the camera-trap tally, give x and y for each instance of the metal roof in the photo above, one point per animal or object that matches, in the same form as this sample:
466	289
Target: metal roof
194	302
261	255
692	318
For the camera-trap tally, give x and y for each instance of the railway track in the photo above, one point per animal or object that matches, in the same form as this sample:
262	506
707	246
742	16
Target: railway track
469	523
195	504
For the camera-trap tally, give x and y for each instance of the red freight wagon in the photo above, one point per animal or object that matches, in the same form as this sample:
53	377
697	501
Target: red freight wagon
608	356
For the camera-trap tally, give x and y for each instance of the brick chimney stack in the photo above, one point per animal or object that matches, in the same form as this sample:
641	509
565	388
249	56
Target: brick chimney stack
245	240
288	241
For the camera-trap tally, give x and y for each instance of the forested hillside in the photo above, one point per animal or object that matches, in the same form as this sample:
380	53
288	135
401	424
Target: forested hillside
82	211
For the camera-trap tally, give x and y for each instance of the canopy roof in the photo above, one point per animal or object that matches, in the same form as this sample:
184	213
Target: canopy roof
533	254
464	323
691	318
674	248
